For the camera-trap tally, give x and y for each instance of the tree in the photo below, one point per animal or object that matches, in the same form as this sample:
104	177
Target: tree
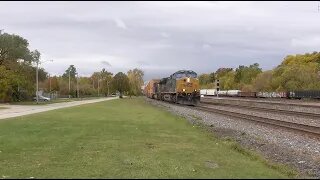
106	78
120	82
204	79
73	72
12	48
135	81
227	81
222	71
7	82
54	84
245	74
17	59
297	72
212	77
263	82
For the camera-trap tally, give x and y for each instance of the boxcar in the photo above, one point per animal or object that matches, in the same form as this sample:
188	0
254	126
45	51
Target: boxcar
247	94
313	94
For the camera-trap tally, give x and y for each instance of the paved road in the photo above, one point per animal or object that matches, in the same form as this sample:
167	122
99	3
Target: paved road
20	110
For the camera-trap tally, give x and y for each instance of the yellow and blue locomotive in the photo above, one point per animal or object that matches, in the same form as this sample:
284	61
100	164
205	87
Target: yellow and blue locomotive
182	87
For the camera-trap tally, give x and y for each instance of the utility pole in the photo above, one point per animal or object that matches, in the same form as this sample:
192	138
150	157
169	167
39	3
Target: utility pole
98	87
108	87
50	85
69	84
37	81
50	82
37	78
77	86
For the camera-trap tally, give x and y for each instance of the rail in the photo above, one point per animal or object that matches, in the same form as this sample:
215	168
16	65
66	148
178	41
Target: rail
312	130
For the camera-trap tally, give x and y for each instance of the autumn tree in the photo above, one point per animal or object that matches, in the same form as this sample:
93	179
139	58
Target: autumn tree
120	82
263	82
135	81
52	84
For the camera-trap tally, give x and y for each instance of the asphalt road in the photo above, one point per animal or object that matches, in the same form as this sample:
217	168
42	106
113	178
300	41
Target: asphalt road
21	110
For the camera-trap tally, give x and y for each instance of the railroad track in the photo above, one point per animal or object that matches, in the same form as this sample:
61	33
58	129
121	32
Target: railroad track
311	130
285	112
254	100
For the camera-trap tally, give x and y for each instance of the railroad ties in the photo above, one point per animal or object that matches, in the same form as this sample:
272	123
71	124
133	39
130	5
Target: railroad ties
209	106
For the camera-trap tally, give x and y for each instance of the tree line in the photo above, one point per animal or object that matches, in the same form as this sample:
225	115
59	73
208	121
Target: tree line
18	76
296	72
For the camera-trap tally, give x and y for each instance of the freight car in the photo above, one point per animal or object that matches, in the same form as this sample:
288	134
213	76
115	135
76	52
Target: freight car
151	88
182	87
302	94
272	94
310	94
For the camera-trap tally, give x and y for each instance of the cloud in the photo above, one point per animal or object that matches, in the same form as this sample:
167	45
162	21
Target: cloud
163	37
120	23
106	63
306	42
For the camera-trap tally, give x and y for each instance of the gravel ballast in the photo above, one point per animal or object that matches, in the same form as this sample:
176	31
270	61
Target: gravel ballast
276	144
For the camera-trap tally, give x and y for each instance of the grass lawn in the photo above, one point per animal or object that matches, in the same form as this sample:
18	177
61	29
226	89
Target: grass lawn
123	138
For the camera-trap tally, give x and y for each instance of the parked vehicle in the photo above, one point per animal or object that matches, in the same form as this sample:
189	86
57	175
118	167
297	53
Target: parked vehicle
41	98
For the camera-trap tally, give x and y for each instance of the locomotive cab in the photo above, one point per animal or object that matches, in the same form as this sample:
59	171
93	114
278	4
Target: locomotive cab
187	87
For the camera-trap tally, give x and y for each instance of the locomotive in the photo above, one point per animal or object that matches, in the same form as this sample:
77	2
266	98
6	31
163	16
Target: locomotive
182	87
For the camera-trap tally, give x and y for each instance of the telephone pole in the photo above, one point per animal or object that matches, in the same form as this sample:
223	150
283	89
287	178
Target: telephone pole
50	82
78	85
98	87
69	84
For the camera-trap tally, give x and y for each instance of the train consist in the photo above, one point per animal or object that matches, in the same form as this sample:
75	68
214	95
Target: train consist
310	94
182	87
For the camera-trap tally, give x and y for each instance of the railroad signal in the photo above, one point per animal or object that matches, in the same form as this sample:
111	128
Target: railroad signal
217	86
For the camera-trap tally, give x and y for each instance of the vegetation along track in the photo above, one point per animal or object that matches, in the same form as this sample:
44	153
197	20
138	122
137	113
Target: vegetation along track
285	112
311	130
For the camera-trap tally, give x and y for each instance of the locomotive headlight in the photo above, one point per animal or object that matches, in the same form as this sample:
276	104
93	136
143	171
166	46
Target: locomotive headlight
183	90
188	80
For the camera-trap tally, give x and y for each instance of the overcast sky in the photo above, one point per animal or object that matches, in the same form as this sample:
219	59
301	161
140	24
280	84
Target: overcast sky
163	37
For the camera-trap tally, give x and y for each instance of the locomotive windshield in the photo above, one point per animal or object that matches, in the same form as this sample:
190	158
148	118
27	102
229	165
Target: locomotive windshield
182	74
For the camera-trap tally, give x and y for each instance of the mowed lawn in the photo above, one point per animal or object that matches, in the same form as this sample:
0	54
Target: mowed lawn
123	138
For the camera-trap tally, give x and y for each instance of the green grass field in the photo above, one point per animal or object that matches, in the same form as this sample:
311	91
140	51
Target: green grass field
123	138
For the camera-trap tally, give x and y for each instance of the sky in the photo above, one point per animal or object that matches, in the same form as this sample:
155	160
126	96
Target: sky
163	37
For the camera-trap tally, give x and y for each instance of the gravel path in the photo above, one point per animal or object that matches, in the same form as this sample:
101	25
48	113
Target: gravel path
21	110
276	144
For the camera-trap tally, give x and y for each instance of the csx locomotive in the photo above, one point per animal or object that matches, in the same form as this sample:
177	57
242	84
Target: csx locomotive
182	87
